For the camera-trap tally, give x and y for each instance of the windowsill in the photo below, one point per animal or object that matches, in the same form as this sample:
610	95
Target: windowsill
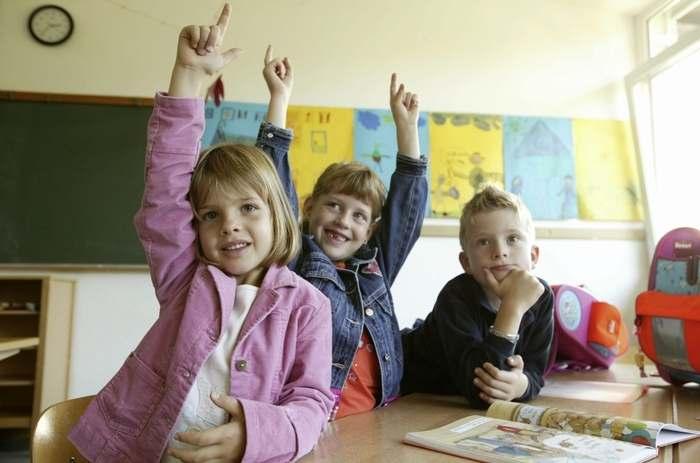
569	229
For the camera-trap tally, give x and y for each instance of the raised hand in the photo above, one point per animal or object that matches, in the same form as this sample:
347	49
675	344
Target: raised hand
278	75
496	384
404	109
404	105
199	55
225	443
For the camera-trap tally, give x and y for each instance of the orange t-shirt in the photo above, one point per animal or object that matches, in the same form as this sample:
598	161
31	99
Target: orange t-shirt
360	391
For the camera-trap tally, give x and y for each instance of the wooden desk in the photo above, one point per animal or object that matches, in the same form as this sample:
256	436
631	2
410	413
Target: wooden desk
686	408
376	436
618	373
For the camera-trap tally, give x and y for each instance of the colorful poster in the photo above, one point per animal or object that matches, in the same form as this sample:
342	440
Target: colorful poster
466	151
232	122
375	141
539	165
322	136
606	171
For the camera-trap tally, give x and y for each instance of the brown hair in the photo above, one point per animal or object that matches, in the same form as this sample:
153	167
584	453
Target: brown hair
353	179
492	198
234	167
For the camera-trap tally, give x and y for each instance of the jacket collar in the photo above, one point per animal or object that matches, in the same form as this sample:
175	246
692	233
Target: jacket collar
275	277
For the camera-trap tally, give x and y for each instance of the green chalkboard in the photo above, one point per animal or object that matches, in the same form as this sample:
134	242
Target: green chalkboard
71	179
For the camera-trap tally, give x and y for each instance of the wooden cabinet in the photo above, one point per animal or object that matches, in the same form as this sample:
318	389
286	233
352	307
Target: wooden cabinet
36	315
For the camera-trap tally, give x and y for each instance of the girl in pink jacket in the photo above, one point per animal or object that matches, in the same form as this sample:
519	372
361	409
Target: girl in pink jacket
237	366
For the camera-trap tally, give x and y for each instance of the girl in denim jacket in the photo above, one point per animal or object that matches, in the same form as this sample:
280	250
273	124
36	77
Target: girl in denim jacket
357	237
237	366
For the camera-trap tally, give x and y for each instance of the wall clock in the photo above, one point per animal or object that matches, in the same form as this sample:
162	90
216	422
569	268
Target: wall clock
50	24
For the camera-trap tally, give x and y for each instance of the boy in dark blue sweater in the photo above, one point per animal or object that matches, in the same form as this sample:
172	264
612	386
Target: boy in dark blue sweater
489	334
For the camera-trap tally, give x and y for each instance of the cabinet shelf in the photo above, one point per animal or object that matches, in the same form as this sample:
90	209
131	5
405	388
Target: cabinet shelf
19	420
34	347
14	382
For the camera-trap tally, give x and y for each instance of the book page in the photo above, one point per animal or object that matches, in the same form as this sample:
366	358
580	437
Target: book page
650	433
494	440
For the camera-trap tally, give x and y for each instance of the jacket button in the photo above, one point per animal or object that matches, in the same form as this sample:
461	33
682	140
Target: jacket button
369	312
241	365
270	135
387	357
186	374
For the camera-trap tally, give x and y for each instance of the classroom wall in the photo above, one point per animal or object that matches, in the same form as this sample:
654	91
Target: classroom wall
547	57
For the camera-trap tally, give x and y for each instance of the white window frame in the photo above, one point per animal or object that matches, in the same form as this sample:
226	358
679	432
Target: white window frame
639	99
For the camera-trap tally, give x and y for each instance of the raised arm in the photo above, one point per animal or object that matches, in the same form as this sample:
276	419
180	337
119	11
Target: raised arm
404	209
164	222
273	137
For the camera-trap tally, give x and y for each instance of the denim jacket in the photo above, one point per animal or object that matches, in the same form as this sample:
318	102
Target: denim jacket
360	294
280	363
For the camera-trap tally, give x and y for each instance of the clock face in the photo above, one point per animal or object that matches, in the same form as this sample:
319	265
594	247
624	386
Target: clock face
50	24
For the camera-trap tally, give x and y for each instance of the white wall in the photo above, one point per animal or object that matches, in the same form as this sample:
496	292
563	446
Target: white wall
546	57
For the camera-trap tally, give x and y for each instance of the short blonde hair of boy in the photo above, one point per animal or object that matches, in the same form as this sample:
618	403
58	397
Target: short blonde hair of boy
352	179
241	168
492	198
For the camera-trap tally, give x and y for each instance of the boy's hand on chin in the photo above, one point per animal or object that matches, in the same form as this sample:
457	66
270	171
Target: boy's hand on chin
519	288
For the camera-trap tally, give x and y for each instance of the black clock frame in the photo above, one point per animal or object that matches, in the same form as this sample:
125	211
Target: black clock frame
52	7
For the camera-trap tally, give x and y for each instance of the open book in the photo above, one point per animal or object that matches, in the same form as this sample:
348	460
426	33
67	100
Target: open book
513	432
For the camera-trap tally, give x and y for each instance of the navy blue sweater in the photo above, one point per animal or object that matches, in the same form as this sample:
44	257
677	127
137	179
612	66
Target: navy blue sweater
440	354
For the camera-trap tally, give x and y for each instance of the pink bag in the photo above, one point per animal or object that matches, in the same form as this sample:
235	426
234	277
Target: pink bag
587	333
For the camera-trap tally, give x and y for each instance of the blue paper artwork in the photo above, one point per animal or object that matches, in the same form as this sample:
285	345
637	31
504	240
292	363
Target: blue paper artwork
539	165
232	122
375	142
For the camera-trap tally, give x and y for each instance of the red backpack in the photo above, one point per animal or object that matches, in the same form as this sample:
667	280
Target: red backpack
668	314
588	333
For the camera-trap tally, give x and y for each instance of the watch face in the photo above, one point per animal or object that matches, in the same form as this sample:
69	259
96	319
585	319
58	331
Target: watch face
50	24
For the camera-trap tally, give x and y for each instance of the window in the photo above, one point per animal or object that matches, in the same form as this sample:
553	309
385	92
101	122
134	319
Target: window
664	98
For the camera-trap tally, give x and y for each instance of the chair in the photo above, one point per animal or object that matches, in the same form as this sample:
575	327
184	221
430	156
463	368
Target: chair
50	442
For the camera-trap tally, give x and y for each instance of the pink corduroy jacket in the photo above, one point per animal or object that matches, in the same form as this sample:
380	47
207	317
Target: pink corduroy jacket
281	364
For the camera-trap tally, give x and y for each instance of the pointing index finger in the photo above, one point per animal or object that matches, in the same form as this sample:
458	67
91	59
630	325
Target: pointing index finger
224	18
268	54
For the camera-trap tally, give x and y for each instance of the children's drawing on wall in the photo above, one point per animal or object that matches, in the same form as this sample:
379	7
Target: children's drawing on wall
375	141
322	136
539	165
606	171
232	122
466	151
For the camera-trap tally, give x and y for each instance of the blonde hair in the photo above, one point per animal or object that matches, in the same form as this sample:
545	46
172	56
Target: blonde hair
353	179
234	167
492	198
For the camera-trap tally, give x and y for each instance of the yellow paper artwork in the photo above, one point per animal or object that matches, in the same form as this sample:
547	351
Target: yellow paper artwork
607	181
322	136
466	151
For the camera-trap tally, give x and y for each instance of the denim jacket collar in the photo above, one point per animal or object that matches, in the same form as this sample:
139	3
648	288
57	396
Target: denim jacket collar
317	264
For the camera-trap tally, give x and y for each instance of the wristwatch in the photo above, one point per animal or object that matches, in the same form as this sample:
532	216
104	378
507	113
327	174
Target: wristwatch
513	338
